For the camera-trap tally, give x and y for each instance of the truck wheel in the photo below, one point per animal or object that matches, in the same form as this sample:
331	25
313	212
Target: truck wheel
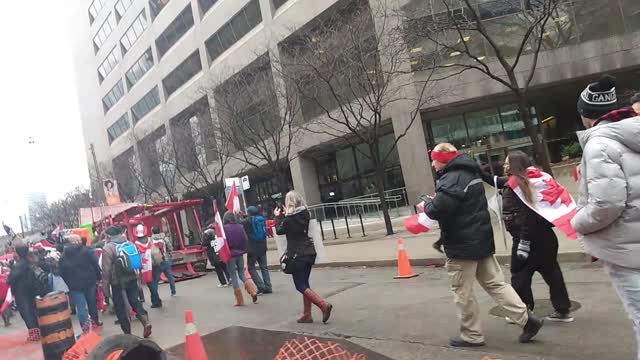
126	347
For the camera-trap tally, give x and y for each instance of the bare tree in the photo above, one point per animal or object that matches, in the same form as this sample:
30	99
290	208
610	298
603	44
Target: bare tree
502	39
350	68
64	211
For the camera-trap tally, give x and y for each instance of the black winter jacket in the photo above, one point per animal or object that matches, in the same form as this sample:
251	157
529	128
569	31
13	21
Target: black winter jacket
22	280
460	206
79	267
296	228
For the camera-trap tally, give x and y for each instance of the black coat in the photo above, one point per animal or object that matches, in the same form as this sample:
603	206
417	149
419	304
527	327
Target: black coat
460	206
79	267
22	280
296	228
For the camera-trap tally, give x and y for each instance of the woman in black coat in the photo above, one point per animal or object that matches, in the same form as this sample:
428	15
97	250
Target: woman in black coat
294	223
535	245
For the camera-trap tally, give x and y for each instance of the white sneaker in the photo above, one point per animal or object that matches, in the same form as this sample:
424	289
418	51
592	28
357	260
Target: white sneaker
558	317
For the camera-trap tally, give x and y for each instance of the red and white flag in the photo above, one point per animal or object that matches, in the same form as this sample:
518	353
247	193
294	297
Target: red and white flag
553	201
420	222
7	301
233	201
221	246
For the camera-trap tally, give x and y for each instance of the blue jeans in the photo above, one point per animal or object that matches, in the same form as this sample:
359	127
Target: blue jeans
236	269
165	268
263	283
627	284
85	299
153	287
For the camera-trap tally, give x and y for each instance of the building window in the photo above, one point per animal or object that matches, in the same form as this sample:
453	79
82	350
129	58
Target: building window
134	32
148	102
178	27
241	23
278	3
104	32
118	128
139	69
107	65
113	96
182	73
121	8
156	7
205	5
94	9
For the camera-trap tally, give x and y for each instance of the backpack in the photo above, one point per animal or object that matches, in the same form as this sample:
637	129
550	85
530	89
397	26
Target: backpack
156	255
259	228
128	260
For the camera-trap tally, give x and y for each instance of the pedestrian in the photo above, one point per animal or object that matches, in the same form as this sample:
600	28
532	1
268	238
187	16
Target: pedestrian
161	241
608	212
80	270
635	103
220	267
535	245
150	273
256	229
120	262
292	220
237	239
460	207
25	287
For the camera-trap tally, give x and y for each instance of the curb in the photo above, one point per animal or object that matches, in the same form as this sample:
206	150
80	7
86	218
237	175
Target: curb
567	257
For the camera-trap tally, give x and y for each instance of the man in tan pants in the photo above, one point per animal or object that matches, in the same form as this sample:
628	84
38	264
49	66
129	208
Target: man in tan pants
460	206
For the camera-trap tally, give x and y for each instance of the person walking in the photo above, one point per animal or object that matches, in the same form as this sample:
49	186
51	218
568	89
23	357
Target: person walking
535	245
80	270
256	228
608	211
237	239
460	207
149	273
293	222
162	242
120	281
25	287
220	267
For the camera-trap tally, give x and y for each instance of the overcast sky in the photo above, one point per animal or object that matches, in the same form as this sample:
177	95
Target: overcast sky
38	100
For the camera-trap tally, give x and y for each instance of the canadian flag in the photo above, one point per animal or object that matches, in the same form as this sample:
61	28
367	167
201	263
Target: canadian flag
221	246
233	201
7	301
553	201
420	222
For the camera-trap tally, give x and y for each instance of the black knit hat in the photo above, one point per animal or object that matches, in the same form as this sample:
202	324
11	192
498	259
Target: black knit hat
598	98
635	98
113	230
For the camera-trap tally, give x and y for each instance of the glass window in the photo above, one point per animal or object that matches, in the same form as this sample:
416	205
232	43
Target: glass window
104	32
178	27
489	9
239	25
118	128
597	19
134	32
182	73
631	11
346	164
140	68
512	123
121	7
450	129
94	9
278	3
363	158
205	5
156	7
146	104
107	65
484	127
385	144
113	96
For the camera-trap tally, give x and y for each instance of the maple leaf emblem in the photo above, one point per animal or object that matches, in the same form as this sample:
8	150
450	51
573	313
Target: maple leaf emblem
554	191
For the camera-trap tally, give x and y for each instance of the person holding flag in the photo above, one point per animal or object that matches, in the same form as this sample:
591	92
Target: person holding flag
237	239
532	204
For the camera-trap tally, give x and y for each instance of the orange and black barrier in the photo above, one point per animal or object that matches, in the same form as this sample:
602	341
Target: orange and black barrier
56	329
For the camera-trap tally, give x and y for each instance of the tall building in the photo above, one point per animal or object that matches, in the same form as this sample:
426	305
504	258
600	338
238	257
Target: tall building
142	64
35	202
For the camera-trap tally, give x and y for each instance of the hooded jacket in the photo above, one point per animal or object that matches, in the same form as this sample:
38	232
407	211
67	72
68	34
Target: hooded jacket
296	228
109	255
236	236
608	212
460	207
22	279
79	267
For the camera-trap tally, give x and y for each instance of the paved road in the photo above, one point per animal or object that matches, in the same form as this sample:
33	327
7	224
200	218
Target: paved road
409	319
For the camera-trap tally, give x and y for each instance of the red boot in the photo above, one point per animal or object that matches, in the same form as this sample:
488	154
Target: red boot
306	314
34	335
321	303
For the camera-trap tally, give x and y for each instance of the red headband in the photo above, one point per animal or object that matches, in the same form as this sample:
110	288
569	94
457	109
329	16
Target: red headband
443	157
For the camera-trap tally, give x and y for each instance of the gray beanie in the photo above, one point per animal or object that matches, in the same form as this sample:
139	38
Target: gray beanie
599	98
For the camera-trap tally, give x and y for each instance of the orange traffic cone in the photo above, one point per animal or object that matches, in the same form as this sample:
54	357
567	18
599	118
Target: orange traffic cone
193	346
404	267
246	269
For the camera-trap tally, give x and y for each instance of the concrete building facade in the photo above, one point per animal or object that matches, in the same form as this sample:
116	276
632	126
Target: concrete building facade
142	64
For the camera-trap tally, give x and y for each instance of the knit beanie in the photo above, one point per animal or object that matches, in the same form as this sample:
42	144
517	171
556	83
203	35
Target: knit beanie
599	98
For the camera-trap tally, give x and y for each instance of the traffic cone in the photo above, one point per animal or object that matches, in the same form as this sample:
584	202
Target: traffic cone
193	346
404	267
246	269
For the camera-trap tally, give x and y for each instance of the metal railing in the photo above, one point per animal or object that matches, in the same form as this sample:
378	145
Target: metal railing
366	206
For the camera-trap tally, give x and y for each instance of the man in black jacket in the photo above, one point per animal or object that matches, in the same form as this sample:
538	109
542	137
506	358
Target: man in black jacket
24	286
460	206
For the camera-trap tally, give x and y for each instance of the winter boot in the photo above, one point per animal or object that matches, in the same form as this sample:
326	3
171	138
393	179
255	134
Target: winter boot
34	335
306	317
321	303
239	299
144	320
531	329
251	290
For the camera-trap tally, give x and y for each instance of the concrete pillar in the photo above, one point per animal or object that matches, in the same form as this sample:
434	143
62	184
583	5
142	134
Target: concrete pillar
305	179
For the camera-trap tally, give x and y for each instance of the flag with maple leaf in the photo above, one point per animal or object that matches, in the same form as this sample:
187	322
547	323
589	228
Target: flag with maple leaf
420	222
553	201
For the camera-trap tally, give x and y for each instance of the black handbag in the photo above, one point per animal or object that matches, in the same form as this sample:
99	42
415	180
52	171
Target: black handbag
287	264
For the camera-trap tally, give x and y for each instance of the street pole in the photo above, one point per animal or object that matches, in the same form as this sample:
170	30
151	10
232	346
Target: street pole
21	226
100	190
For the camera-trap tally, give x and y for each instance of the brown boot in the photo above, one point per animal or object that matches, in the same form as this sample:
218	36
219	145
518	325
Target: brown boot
306	317
321	303
144	320
239	299
251	290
